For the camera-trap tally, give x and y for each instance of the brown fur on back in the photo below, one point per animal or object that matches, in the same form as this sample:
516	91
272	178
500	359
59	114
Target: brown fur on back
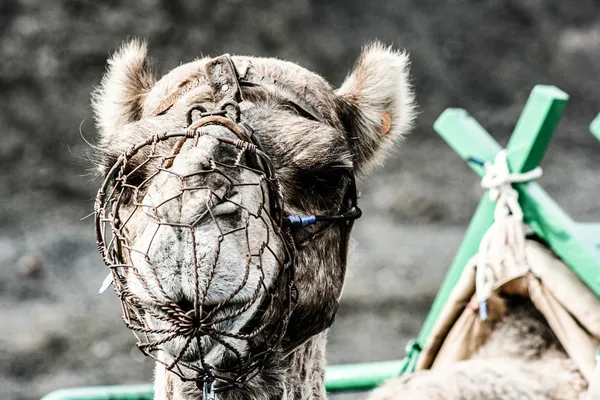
522	360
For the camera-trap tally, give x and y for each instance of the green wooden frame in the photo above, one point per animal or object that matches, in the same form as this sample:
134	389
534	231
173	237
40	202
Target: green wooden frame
577	244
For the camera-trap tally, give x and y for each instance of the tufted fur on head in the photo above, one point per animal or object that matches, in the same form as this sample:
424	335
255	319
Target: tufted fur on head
378	85
378	88
119	98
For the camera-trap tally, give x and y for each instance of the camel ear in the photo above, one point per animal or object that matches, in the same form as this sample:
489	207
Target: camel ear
119	98
376	104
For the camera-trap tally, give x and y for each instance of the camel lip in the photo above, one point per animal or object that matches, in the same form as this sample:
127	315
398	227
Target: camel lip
203	344
211	315
226	204
229	205
206	310
194	354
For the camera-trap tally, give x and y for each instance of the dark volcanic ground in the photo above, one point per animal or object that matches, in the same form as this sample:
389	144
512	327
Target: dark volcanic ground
484	56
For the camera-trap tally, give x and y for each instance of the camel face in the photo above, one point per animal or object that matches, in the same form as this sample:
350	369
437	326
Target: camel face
211	270
203	243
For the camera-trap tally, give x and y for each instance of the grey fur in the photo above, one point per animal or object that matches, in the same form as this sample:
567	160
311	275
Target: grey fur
311	160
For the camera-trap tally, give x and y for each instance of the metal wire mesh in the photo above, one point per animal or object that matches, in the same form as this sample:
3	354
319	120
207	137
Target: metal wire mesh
182	334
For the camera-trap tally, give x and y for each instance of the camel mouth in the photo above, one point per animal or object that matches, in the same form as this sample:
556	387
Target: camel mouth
223	205
202	258
220	202
208	311
184	314
209	339
229	205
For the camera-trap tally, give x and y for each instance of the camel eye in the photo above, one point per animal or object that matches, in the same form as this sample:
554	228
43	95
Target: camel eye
324	179
330	179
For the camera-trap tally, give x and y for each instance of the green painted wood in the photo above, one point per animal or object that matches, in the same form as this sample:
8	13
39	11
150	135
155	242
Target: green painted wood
595	127
590	234
345	377
117	392
525	151
468	138
480	223
568	239
532	134
363	376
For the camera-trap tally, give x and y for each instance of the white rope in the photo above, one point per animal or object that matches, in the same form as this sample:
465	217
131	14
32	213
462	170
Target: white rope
505	239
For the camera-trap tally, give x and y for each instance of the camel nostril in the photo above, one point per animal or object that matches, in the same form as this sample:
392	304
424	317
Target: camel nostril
190	114
206	164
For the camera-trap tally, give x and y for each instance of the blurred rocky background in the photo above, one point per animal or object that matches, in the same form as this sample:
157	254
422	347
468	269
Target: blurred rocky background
484	56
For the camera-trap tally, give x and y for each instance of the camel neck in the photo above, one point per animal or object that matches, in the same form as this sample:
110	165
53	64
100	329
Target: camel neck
300	376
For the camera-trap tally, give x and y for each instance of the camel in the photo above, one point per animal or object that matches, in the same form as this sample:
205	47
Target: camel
314	139
307	141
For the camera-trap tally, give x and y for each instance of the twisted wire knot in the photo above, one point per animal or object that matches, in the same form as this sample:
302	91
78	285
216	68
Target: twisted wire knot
498	180
245	146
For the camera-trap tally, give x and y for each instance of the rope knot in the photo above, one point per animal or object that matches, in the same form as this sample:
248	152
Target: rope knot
498	180
505	239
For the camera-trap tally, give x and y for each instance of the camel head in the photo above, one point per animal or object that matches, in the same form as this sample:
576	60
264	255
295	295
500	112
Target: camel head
208	171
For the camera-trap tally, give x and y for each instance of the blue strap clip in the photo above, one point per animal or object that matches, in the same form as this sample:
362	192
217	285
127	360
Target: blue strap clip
302	221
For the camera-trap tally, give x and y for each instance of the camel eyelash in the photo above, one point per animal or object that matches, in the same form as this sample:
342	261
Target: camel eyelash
324	177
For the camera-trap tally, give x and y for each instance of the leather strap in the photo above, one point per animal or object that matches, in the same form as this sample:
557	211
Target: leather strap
226	81
223	78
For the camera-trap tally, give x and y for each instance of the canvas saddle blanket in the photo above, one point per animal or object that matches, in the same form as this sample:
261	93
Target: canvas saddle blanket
570	308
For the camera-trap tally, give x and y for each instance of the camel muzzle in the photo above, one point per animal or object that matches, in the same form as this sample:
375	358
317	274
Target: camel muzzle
173	327
189	323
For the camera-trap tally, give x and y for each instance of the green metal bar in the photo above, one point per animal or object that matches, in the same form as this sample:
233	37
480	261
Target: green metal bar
345	377
364	376
569	240
525	151
117	392
595	127
532	134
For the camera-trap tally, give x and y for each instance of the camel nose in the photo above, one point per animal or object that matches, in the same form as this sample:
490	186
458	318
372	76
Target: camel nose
184	192
195	156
